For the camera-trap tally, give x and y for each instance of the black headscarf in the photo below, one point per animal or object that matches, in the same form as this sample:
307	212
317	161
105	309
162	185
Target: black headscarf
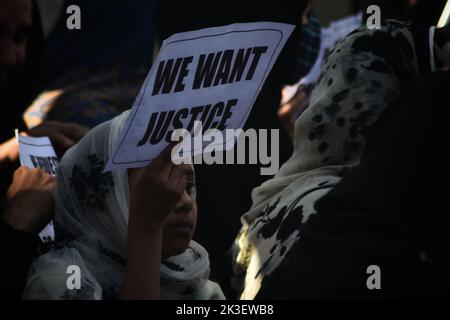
426	12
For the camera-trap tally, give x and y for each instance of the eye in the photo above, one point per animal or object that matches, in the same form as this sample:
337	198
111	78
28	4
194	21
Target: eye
190	187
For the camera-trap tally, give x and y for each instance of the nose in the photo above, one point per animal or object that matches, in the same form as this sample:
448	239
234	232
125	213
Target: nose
185	204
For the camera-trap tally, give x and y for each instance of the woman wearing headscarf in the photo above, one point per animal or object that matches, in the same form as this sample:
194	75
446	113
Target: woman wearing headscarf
360	78
128	233
217	184
382	232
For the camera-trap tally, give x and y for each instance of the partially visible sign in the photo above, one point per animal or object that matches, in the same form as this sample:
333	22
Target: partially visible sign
39	153
330	37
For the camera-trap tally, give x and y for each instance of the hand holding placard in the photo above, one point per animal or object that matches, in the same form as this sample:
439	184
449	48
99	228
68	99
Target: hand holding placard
30	200
166	183
38	153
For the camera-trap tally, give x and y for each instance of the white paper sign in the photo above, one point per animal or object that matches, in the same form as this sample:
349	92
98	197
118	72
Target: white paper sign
329	38
211	75
39	153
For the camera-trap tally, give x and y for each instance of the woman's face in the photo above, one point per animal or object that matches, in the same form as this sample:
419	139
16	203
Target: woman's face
179	225
15	23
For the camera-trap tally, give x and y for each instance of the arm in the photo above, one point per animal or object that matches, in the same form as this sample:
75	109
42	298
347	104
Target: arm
143	263
154	192
29	208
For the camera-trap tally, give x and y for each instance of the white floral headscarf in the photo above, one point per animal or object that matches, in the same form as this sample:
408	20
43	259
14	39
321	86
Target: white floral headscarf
91	221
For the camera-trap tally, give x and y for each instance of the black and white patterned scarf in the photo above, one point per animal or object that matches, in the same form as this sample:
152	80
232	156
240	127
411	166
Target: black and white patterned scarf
359	78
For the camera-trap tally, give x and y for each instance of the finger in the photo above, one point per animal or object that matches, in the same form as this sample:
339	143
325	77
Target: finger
52	185
175	170
50	178
163	162
182	184
178	179
37	173
167	153
21	170
161	168
162	158
40	178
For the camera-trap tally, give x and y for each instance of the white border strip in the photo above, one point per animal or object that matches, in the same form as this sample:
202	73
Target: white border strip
445	15
432	60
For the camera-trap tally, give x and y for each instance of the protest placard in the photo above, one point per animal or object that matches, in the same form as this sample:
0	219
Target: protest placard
211	75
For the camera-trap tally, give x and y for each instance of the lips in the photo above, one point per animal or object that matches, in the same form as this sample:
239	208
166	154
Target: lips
184	227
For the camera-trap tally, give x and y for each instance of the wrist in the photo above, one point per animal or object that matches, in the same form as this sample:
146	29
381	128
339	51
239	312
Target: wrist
144	228
9	150
144	218
11	218
142	240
